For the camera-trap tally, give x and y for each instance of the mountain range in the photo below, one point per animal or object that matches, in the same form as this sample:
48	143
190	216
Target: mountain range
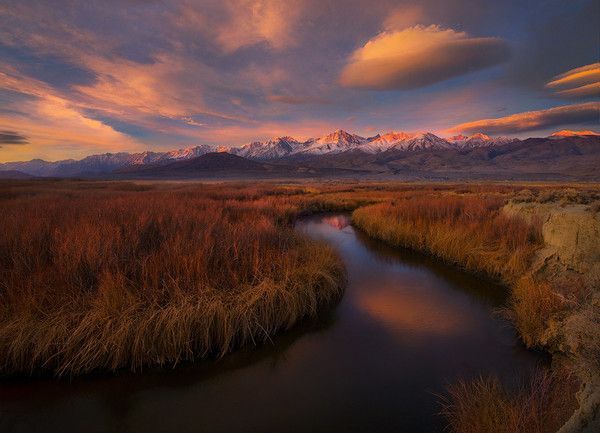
341	141
565	154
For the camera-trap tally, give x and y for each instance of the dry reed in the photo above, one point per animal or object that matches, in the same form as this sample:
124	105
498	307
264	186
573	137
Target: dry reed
483	405
113	277
469	231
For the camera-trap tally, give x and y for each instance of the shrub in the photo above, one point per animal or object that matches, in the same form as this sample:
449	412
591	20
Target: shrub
533	304
483	405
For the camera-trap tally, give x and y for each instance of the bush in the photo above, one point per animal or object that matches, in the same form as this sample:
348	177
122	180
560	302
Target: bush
483	405
532	305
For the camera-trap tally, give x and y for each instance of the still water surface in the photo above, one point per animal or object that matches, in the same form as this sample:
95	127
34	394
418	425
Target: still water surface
407	325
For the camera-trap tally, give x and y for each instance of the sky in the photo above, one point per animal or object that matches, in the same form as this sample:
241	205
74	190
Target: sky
83	77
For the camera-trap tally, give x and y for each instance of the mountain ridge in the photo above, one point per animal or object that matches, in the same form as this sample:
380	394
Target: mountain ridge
333	147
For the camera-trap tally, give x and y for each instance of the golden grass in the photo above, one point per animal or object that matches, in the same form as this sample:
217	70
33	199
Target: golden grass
114	277
466	227
107	275
533	304
472	232
484	406
466	230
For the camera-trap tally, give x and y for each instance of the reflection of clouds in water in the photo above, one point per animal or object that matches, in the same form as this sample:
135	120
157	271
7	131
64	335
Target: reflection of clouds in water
337	221
413	312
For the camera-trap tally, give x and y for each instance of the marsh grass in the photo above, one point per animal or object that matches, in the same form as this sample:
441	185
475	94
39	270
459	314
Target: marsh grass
533	303
109	275
469	231
466	227
124	277
484	405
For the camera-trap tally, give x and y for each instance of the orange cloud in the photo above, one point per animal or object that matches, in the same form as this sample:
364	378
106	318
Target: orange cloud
419	56
173	84
578	82
564	115
254	21
157	88
53	126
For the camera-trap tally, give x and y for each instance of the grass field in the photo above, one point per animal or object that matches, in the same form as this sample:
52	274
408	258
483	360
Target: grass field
111	275
468	231
108	276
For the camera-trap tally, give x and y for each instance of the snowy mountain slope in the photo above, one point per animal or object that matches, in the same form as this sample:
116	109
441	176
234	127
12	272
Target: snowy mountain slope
103	163
336	143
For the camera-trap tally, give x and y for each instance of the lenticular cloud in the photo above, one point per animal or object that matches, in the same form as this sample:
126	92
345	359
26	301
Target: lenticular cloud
419	56
531	120
579	82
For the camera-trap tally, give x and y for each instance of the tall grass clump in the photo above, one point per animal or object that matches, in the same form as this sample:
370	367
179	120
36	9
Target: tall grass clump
533	303
484	405
470	231
112	278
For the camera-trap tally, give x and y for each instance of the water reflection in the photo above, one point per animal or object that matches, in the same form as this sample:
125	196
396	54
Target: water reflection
406	326
407	313
337	221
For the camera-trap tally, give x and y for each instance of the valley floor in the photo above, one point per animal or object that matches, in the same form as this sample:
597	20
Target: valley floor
113	275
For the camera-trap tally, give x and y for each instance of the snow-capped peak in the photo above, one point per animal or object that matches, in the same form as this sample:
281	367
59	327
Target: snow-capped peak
389	140
342	141
336	142
340	137
276	147
425	140
570	133
189	152
480	136
479	140
459	138
392	137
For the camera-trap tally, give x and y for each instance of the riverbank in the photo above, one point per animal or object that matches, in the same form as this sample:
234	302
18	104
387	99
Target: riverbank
568	267
546	248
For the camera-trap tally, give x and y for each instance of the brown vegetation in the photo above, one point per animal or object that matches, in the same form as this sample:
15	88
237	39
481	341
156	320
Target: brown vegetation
469	227
533	304
483	405
103	277
469	231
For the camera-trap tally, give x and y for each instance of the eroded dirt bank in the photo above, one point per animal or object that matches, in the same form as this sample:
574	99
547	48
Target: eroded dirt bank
569	263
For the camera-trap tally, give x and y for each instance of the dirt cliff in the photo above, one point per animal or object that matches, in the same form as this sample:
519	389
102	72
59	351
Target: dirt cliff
570	263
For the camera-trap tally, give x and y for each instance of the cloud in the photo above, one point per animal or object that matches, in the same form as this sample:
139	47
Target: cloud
403	17
579	82
531	120
250	22
419	56
164	87
297	100
52	125
105	76
12	137
190	121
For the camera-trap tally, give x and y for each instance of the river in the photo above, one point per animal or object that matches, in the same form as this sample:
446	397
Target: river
406	326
